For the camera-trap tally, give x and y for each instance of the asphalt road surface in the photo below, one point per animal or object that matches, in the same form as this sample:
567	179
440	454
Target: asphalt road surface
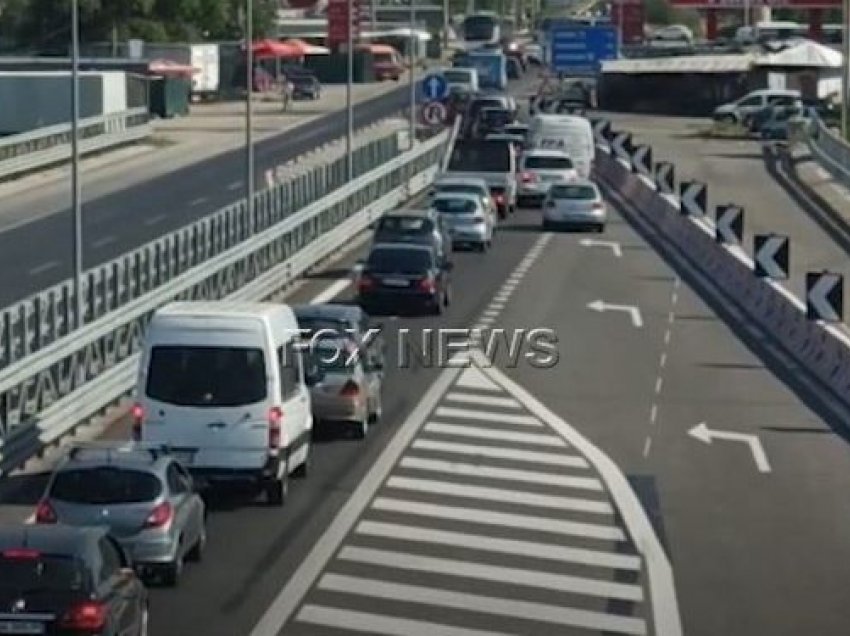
37	255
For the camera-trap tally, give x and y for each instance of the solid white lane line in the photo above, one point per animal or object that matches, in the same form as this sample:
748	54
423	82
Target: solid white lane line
487	416
487	400
497	472
472	378
367	623
331	292
154	220
501	495
526	610
198	201
515	547
503	519
493	573
103	242
499	452
494	435
40	269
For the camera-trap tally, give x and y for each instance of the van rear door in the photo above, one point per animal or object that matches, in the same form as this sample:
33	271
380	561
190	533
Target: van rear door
207	394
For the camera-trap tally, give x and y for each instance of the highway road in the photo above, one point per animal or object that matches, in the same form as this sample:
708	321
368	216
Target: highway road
448	512
37	255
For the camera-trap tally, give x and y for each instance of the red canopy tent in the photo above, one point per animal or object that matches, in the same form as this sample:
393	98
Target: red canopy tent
265	49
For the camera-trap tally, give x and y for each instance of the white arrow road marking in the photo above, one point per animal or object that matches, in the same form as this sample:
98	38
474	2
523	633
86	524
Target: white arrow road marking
818	297
614	246
602	306
707	435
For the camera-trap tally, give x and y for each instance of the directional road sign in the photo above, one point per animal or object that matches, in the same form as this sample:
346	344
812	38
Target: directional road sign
434	113
825	296
665	177
622	145
692	197
435	87
601	131
771	256
578	49
729	224
642	161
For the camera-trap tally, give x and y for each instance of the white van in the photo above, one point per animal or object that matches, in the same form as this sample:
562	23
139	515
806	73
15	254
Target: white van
223	386
569	133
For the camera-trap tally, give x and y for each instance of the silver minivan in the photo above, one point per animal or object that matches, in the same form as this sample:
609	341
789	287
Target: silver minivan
740	110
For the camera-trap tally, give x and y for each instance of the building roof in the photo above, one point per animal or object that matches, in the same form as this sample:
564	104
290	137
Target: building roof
682	64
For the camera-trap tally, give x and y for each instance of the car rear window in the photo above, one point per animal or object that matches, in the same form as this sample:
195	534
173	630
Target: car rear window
206	376
28	571
579	192
334	360
454	206
460	77
460	189
405	224
105	485
399	261
548	163
314	325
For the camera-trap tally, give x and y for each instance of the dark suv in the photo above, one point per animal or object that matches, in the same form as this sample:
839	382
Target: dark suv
62	580
424	227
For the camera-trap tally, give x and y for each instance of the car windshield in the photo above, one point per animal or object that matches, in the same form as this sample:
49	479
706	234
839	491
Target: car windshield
457	77
450	205
579	192
405	225
105	485
206	376
547	163
399	260
24	571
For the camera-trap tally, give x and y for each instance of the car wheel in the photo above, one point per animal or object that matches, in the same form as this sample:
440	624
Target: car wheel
600	227
482	247
547	225
304	467
196	554
277	490
361	428
172	572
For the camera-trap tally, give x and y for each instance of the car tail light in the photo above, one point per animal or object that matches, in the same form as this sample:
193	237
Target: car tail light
88	617
44	513
598	206
160	516
365	283
275	426
427	285
138	413
350	389
21	554
500	199
528	177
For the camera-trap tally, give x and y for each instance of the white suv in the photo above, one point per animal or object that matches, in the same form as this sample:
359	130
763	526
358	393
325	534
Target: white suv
539	169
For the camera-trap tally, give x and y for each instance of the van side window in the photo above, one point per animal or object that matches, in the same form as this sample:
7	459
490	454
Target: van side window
290	370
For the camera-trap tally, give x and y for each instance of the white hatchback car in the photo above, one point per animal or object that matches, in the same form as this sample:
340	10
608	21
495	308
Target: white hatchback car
539	169
577	204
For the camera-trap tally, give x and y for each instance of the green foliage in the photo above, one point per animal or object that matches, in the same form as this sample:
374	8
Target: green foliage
44	25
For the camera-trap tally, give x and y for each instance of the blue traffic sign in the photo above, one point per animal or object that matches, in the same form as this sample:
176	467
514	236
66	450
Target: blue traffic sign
578	49
435	87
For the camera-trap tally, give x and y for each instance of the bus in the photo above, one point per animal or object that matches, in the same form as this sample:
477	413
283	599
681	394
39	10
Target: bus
481	29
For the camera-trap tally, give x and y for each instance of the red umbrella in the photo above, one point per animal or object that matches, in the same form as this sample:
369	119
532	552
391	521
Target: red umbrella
274	48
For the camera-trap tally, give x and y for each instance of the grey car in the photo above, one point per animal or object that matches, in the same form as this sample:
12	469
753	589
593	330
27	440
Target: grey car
141	493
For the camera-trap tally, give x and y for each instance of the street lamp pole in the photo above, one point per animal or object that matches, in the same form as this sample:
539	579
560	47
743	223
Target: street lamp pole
249	112
77	213
349	106
845	67
413	46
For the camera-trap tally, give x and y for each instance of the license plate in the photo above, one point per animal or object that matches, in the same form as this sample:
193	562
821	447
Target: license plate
396	282
21	627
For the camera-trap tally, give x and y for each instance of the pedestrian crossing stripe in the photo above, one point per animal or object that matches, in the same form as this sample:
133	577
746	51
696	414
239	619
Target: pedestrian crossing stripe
484	510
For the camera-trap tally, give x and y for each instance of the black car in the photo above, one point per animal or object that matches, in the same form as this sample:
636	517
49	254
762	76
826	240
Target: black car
62	580
423	227
492	120
476	105
348	321
305	85
404	275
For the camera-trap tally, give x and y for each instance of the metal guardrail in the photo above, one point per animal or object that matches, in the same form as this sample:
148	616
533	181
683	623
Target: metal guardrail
84	372
828	148
50	145
39	321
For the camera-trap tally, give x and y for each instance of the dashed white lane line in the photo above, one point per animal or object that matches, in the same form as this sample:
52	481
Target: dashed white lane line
331	292
662	363
659	382
103	242
159	218
197	201
44	267
647	446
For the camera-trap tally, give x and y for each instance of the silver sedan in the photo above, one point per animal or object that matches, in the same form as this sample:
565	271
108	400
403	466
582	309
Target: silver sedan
576	204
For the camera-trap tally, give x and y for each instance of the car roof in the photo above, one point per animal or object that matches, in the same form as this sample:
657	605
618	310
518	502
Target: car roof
334	311
469	196
218	307
581	182
544	152
450	180
423	212
401	246
50	539
122	454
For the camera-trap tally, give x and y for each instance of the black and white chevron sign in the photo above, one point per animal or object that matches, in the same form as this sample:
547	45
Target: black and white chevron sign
825	296
771	253
729	224
665	177
693	198
621	144
601	132
642	161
